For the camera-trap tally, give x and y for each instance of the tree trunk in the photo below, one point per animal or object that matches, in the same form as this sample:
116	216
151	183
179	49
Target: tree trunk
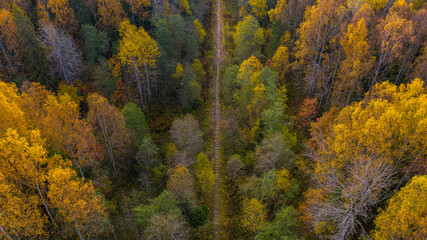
45	204
77	228
6	56
107	140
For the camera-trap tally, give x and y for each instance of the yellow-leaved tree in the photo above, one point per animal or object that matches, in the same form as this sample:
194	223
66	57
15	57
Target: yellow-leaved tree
199	31
22	163
280	61
81	210
253	214
20	215
138	55
358	152
184	6
22	186
356	65
181	183
259	7
11	116
406	214
205	178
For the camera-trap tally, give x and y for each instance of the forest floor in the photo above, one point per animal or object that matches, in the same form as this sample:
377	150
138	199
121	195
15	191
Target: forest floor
218	48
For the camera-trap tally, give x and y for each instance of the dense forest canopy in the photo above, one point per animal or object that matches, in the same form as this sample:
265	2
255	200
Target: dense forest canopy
109	108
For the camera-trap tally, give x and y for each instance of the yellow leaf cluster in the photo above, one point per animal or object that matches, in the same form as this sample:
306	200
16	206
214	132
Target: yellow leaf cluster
406	214
205	177
181	183
179	72
76	201
184	6
199	30
253	214
390	122
136	47
259	7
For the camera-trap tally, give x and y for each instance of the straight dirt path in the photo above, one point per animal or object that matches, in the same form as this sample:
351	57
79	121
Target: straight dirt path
216	221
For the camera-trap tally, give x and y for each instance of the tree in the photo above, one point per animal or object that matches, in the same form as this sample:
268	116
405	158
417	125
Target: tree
184	6
248	37
394	31
307	113
167	227
259	7
186	135
248	68
199	31
198	68
161	218
110	14
66	132
280	61
136	122
275	151
77	203
205	177
10	62
138	54
234	167
289	13
63	14
404	217
137	8
252	214
109	126
356	65
26	170
377	4
284	226
356	158
62	52
148	154
105	81
19	213
32	52
181	183
321	24
190	88
11	115
421	65
96	43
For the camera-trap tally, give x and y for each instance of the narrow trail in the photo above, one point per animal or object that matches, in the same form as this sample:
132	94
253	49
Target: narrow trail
216	221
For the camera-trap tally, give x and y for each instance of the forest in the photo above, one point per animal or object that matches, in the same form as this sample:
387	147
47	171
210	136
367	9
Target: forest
210	119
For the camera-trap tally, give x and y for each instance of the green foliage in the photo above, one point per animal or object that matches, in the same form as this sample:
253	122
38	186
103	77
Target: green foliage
200	215
148	154
249	38
165	203
284	226
96	43
135	121
105	81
